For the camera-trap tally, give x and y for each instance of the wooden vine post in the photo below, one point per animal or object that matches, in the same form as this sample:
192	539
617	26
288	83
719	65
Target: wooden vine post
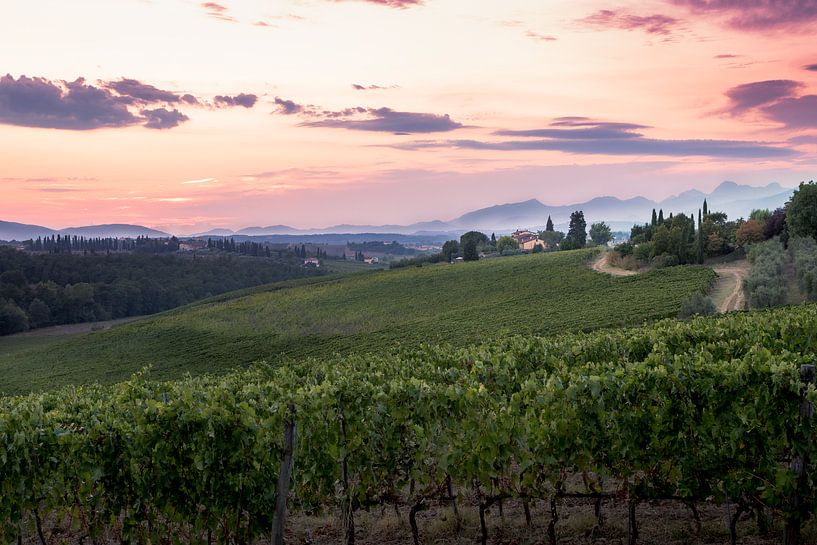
799	464
284	478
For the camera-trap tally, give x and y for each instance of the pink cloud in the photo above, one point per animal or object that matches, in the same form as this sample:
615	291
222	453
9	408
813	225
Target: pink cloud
623	20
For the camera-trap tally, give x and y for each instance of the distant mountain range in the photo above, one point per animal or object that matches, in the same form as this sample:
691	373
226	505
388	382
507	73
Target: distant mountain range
21	231
621	214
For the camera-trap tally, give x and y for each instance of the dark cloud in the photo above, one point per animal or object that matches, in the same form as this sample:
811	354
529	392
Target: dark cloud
288	107
752	95
388	120
811	67
636	146
795	113
38	102
620	19
756	15
804	139
243	99
585	131
588	137
76	105
540	37
162	118
142	92
727	56
400	4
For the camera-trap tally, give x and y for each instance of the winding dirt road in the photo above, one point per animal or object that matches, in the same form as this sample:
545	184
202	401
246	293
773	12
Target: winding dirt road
601	265
729	274
727	291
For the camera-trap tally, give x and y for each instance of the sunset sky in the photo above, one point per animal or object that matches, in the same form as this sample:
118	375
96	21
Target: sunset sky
187	115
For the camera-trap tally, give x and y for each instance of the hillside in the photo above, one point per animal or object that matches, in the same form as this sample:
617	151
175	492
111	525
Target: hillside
371	312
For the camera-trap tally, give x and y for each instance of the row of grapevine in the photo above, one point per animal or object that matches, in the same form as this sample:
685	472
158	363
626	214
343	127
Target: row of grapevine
703	410
804	252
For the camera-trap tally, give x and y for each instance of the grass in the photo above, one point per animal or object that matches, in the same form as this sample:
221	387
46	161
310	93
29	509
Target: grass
369	312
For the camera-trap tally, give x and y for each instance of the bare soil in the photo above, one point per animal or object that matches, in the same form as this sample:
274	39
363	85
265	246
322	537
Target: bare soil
728	290
601	265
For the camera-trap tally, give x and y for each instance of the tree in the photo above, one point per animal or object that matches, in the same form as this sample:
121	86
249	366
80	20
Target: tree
661	216
801	211
549	226
38	313
776	223
577	233
493	240
479	239
750	232
600	233
469	250
706	209
760	215
654	221
661	240
506	243
551	238
700	240
450	250
12	319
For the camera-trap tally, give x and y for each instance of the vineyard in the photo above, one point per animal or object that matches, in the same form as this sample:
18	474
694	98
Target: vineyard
713	410
365	313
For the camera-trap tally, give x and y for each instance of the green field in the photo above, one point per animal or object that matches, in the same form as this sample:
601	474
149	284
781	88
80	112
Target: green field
369	312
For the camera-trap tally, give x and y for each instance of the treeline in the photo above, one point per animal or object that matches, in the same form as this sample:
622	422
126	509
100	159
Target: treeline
393	248
263	249
679	240
69	244
38	290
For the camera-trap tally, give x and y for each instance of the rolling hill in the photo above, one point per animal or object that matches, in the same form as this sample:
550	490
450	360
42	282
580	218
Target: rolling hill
364	313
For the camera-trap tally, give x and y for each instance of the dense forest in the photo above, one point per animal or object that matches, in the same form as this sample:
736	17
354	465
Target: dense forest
38	290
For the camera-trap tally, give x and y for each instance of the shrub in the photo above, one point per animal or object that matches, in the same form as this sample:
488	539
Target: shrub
625	248
627	262
697	305
765	285
664	260
804	252
12	319
644	251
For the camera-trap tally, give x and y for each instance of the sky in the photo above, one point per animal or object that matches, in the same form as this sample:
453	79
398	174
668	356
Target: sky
187	115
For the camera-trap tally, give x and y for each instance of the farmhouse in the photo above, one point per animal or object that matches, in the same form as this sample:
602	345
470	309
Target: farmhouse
527	240
192	245
312	262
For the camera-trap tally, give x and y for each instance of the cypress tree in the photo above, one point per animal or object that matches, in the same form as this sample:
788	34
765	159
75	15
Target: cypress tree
654	218
706	209
661	216
549	226
700	239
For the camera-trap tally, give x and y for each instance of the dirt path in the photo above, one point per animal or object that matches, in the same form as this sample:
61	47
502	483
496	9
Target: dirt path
601	265
728	289
73	329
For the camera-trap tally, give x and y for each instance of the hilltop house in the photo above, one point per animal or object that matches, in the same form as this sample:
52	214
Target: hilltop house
312	262
527	240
